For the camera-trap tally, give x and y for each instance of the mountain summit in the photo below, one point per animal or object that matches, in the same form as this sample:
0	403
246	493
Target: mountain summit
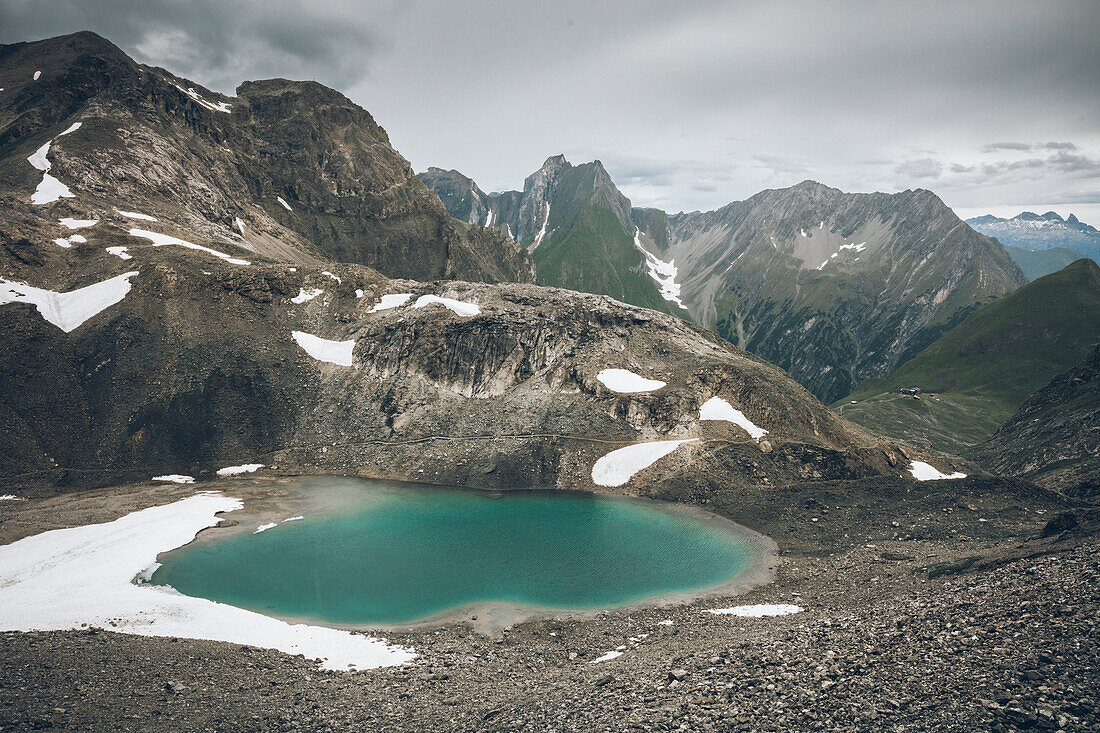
291	170
833	287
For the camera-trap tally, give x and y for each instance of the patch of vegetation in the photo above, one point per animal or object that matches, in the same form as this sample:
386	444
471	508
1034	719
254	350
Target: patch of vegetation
985	367
592	253
1036	263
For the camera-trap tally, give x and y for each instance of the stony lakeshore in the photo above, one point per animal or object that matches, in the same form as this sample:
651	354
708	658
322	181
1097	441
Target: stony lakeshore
955	605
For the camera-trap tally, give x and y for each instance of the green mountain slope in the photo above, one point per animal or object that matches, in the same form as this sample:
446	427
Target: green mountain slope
983	369
591	252
1054	438
1036	263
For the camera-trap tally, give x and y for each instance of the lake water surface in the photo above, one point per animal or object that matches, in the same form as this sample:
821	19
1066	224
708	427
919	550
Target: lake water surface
386	554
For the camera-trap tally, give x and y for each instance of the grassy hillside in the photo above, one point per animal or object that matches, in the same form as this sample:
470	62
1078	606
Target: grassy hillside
592	253
984	368
1039	262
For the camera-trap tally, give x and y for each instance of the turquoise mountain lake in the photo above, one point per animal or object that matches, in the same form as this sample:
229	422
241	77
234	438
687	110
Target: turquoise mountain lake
397	555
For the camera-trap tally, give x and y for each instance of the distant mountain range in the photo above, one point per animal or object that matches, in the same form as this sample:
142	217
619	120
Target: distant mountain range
1031	231
833	287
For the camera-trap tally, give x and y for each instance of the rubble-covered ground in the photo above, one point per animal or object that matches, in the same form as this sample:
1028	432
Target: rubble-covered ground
941	611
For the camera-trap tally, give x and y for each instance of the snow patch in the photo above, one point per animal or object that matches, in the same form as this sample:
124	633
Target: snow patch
459	307
120	252
331	276
717	408
175	478
927	472
663	273
606	657
68	310
38	158
625	381
244	468
70	578
304	295
759	610
218	107
294	519
394	300
36	75
50	190
135	215
11	497
489	219
542	232
67	242
71	223
283	202
161	240
265	527
239	224
618	466
71	128
334	352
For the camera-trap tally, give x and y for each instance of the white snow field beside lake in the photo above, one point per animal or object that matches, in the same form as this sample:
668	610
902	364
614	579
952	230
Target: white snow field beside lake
68	310
244	468
760	610
334	352
459	307
616	468
68	578
927	472
394	300
625	381
717	408
161	240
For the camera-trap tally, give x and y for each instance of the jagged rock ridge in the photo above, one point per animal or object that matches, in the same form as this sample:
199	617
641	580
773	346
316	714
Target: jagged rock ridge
291	170
1031	231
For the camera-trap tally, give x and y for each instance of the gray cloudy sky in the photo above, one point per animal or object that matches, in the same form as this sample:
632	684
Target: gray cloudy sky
994	105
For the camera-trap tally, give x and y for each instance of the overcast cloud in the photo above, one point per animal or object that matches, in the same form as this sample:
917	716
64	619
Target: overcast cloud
690	104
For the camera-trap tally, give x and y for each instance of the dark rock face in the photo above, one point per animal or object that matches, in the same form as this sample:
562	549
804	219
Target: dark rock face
217	167
1054	438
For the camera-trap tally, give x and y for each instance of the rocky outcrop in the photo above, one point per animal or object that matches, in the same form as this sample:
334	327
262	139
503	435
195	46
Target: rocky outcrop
1054	438
291	170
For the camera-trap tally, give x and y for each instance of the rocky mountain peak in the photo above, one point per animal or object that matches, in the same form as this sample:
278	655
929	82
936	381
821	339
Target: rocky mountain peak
289	169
